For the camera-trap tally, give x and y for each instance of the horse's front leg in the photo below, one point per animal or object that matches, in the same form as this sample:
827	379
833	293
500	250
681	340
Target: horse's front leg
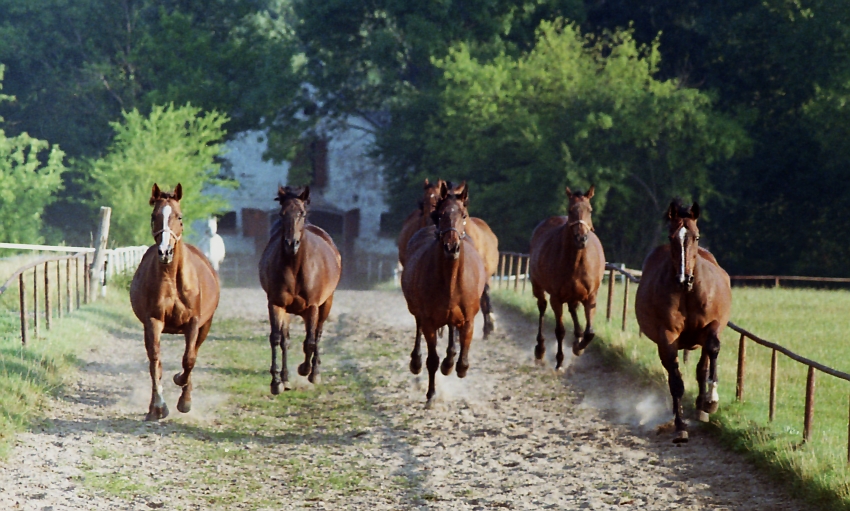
415	355
538	292
487	312
449	362
712	345
702	376
157	409
277	319
324	311
668	353
560	331
589	334
432	362
184	378
311	320
465	332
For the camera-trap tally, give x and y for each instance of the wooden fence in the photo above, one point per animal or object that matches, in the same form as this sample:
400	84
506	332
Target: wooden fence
633	276
59	300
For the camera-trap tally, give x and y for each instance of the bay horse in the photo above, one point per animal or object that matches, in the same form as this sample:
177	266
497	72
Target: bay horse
299	271
683	301
419	217
568	263
174	290
443	283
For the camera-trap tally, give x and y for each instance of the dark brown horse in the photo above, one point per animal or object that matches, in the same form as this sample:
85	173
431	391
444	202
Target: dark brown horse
683	301
419	217
442	284
567	262
175	290
299	272
487	245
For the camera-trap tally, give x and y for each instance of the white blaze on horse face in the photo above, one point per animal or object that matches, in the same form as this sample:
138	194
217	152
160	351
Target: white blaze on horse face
682	233
166	230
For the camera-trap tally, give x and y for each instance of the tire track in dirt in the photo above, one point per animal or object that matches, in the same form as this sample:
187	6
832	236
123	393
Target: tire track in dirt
511	435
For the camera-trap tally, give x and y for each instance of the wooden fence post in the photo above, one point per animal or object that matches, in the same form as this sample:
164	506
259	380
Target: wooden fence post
501	270
516	273
625	300
610	294
510	270
35	301
97	266
526	273
77	278
772	412
810	405
23	292
68	284
742	361
47	318
58	289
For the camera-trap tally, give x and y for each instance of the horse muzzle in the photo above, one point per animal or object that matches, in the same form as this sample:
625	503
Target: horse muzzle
581	240
687	281
291	246
165	256
452	249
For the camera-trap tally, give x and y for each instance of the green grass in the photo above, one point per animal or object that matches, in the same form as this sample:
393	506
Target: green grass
812	323
29	374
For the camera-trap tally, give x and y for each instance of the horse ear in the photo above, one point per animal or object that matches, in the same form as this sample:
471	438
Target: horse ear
305	195
590	191
426	184
178	192
464	193
155	194
444	189
280	193
672	211
695	210
568	191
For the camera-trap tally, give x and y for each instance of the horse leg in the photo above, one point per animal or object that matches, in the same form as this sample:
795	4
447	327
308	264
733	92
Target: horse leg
449	362
589	334
712	344
184	404
183	379
578	333
560	331
324	311
487	312
465	333
277	317
668	353
157	408
702	376
432	362
538	292
311	318
415	356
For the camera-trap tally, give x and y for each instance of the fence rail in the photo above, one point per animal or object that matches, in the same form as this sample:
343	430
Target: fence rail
813	366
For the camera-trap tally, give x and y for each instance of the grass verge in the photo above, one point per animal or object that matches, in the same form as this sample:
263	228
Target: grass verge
809	322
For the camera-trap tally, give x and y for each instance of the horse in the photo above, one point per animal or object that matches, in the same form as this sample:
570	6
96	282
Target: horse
683	301
419	217
299	271
567	261
443	283
174	290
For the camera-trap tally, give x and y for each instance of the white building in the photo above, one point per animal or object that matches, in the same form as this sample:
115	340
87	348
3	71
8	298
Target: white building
346	199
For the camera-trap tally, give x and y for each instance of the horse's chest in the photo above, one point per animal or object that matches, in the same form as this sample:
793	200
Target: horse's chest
173	311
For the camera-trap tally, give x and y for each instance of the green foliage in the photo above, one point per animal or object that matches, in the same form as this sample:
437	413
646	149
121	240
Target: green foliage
30	175
574	111
170	146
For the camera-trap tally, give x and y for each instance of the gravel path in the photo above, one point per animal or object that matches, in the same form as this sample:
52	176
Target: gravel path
513	434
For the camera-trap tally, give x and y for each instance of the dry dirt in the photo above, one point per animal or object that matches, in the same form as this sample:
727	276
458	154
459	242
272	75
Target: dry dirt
512	435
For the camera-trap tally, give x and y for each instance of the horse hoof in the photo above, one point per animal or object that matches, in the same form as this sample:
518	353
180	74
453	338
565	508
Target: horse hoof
577	351
429	405
179	380
539	351
711	407
304	369
314	378
681	437
461	370
156	414
703	416
287	386
184	405
446	367
275	388
416	365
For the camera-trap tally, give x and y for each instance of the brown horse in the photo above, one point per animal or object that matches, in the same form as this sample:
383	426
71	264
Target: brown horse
683	301
299	271
175	290
419	217
567	262
443	283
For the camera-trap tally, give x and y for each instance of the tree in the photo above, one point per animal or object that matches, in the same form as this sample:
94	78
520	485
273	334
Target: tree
30	175
170	146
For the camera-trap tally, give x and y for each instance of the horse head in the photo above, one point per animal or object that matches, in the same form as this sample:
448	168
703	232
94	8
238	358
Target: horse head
684	240
578	215
293	214
430	197
450	217
166	221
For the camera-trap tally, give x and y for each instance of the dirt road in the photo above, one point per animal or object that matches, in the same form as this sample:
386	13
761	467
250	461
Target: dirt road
512	434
